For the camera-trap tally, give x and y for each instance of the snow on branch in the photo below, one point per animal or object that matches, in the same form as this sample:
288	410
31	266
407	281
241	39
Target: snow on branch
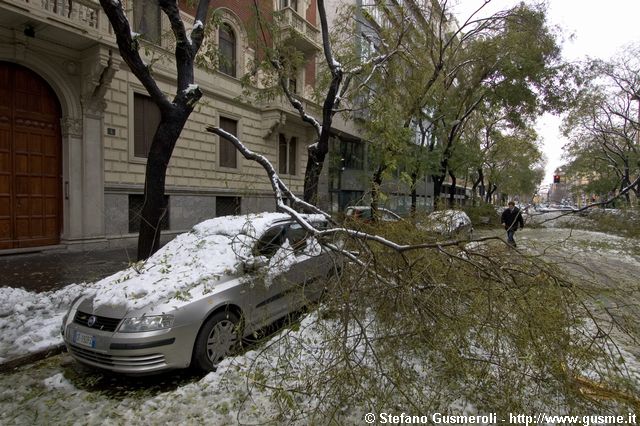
281	191
332	63
128	45
298	106
170	8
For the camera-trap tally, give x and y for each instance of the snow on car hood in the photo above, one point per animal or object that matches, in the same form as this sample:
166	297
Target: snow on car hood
211	250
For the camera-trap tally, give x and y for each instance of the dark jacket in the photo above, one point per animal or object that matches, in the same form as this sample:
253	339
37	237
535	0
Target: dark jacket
512	219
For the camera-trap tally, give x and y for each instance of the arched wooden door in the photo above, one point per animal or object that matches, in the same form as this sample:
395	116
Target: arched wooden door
30	160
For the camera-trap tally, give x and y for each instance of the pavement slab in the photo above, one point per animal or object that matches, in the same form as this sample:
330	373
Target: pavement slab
51	270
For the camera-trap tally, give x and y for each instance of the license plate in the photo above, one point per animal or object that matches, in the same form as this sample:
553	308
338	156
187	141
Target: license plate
84	339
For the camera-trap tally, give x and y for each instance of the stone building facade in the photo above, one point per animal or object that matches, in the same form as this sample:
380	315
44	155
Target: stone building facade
74	121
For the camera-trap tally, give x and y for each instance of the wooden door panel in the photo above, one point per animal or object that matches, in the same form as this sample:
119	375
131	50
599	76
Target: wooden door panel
37	206
6	233
20	163
35	165
30	160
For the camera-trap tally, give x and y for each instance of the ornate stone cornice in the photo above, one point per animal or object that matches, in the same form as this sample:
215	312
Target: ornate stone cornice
71	127
93	107
98	68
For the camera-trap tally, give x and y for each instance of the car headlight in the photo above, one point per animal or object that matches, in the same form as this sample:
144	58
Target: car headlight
66	316
150	323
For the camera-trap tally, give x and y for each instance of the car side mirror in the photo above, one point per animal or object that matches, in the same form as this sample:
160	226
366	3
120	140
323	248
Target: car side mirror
255	263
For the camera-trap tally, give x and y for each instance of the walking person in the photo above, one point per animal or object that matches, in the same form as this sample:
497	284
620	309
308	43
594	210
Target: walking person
511	218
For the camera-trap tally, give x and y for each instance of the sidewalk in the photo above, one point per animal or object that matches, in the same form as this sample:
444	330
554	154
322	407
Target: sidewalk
51	270
43	271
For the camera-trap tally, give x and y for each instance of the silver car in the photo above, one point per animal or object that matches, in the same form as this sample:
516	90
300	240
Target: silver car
194	300
448	223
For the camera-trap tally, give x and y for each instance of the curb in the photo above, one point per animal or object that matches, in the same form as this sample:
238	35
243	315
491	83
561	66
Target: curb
8	366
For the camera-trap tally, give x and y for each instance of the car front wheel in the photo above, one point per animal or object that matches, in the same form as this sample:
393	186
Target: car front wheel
218	338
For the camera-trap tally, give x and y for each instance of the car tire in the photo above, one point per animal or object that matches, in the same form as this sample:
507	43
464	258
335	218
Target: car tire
219	337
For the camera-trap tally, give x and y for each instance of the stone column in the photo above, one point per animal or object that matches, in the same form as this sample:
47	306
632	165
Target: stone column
84	179
93	168
72	178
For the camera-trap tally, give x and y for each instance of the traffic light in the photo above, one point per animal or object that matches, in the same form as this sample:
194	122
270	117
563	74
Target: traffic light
556	178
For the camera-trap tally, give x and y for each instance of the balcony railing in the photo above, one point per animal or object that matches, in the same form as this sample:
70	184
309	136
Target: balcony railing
288	18
82	12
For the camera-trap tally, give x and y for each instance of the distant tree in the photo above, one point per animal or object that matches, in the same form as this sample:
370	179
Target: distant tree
496	147
513	67
448	69
603	127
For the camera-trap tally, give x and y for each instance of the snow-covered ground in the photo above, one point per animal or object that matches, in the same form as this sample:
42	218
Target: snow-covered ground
235	393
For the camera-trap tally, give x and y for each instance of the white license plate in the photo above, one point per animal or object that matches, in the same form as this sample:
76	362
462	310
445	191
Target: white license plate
84	339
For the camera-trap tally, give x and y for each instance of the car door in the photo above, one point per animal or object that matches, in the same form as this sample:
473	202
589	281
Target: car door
304	281
268	284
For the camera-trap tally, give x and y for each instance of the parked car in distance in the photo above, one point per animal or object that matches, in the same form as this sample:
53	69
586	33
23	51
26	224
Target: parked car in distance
365	214
448	223
192	302
557	208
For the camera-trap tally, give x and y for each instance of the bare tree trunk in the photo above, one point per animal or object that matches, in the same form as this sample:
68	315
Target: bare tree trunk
438	180
414	194
376	183
474	191
174	114
315	161
492	189
154	207
452	190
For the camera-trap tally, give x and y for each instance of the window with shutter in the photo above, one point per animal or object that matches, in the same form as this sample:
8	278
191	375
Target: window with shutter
227	50
147	20
227	156
146	120
287	155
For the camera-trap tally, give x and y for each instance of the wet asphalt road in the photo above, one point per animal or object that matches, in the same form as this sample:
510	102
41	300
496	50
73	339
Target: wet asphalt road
50	270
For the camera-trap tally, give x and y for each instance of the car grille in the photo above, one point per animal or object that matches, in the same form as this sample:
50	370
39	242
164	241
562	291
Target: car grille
101	323
128	361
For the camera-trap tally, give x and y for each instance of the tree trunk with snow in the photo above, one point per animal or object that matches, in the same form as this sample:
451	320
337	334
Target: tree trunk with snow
173	114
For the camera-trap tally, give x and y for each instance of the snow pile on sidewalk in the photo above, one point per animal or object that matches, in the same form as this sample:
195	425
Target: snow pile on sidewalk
30	322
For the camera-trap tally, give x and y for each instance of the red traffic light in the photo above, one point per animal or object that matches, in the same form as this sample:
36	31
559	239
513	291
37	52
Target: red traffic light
556	178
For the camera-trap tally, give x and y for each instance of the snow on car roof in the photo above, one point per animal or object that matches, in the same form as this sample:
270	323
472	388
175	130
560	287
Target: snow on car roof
211	250
446	221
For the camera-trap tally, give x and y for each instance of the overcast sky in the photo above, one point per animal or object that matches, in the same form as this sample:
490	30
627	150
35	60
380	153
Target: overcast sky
593	28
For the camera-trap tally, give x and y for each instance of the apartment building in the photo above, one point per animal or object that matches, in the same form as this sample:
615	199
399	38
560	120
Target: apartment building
75	124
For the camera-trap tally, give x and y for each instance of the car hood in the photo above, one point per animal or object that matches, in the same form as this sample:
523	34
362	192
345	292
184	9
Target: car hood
90	304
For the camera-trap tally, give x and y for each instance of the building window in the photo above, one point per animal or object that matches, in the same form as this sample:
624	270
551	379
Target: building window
135	212
227	46
287	153
293	85
228	206
228	157
293	4
146	120
352	154
146	20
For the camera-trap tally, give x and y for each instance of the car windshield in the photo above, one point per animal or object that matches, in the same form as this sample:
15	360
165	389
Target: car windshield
270	242
274	238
